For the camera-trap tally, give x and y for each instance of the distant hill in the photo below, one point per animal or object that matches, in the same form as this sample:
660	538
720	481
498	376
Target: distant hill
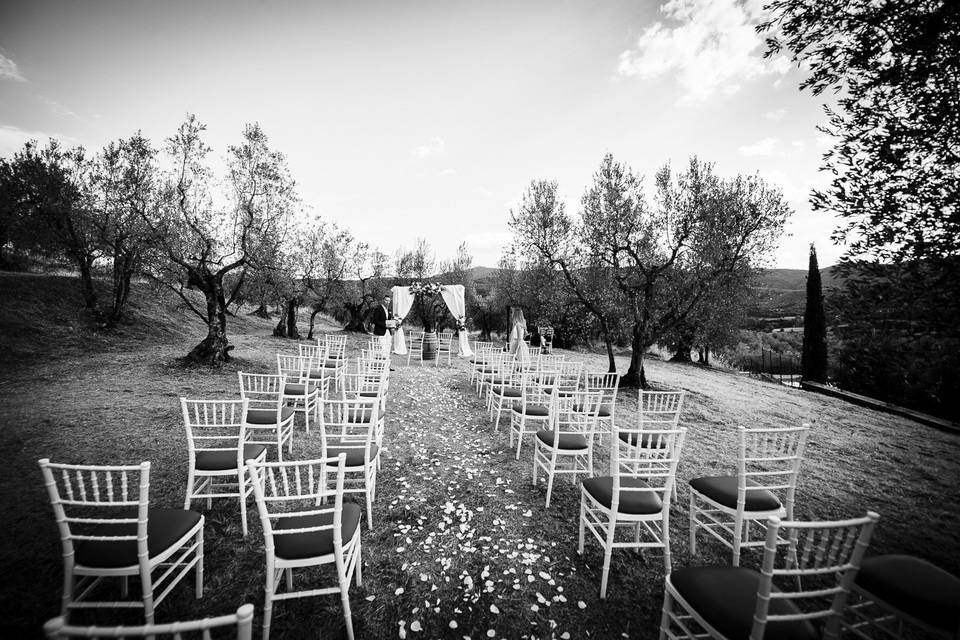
783	292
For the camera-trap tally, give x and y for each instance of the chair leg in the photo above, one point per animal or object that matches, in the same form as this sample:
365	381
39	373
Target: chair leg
737	538
242	478
268	601
345	598
198	576
369	508
550	475
358	563
125	587
693	525
607	554
536	450
583	517
190	481
146	586
665	616
288	575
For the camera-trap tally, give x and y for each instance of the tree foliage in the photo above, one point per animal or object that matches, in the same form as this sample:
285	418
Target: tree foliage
895	67
813	364
202	241
701	235
550	242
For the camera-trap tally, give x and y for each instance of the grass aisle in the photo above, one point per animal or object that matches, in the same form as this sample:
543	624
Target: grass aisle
472	551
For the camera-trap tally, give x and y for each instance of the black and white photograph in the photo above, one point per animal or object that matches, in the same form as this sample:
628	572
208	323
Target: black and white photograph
469	319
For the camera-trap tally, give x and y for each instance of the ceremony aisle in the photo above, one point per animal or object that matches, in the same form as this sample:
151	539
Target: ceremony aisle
474	552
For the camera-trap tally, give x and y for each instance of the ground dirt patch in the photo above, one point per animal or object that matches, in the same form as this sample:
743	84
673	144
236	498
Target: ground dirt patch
461	543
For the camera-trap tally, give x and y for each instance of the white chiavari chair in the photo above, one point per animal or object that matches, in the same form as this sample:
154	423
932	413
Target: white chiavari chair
306	523
217	447
107	529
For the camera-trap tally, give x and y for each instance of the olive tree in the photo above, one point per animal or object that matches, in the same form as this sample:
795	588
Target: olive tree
202	240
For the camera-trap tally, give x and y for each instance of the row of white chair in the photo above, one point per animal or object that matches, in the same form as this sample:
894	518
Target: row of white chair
304	517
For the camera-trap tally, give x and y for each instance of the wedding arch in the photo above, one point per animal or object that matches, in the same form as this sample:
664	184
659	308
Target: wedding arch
452	295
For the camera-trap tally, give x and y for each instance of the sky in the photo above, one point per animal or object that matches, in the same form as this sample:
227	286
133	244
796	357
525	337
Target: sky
403	120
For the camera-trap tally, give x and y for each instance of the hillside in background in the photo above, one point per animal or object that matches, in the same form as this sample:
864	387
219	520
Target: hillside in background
781	293
43	315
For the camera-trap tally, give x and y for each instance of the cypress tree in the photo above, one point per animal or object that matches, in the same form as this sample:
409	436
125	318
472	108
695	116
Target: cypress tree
814	363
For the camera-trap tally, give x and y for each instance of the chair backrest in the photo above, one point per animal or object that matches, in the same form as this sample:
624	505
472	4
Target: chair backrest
816	573
569	378
374	353
214	425
336	345
316	351
769	459
483	347
576	412
550	361
370	377
537	387
606	383
58	629
262	390
373	367
659	409
350	423
299	489
106	503
296	368
655	465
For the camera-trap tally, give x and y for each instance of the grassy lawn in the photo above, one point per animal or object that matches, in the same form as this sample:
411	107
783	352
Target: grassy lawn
461	545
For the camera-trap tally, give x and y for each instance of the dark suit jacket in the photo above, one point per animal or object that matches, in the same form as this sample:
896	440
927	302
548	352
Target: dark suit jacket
380	318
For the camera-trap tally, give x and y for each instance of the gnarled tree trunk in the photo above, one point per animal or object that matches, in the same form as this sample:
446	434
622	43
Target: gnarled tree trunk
357	317
215	348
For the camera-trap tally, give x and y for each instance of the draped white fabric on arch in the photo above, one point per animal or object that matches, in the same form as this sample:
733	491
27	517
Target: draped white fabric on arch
453	296
402	301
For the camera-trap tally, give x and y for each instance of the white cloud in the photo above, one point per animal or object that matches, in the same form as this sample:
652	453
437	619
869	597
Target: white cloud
13	138
714	48
9	69
765	147
58	108
447	172
434	147
776	115
823	141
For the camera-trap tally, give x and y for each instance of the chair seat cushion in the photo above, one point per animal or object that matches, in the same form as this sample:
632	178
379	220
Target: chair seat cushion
532	410
508	392
268	416
726	597
646	440
571	441
723	490
310	544
369	394
224	460
631	502
915	587
603	412
164	527
292	389
354	455
319	373
332	362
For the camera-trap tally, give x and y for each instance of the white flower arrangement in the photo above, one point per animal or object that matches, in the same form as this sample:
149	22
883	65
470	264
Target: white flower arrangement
425	288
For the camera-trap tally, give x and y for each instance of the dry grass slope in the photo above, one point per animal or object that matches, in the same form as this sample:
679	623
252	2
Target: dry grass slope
461	543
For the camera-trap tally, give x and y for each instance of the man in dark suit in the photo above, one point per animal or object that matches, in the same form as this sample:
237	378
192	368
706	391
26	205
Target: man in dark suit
380	316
